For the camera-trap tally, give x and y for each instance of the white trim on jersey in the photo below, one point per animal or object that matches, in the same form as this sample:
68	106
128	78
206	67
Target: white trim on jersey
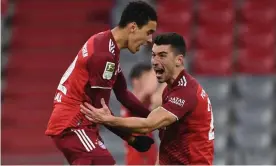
182	81
62	88
88	149
88	139
111	47
85	140
100	87
171	113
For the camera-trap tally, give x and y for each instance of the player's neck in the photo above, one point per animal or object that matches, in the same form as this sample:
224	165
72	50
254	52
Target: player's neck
120	37
174	76
135	91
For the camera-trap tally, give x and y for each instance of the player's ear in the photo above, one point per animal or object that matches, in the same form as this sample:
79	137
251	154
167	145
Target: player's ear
132	26
179	60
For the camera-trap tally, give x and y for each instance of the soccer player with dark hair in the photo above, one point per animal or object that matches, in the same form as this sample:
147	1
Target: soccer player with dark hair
94	72
185	119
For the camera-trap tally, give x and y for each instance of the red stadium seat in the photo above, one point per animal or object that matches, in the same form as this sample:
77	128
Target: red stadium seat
254	61
53	36
60	12
262	13
177	5
46	36
260	37
216	62
180	11
175	17
209	38
220	13
25	138
4	7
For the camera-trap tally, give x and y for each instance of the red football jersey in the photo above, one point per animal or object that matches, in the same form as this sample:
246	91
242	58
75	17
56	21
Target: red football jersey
90	77
190	140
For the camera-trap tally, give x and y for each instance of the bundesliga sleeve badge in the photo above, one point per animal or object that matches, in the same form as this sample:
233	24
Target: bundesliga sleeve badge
109	70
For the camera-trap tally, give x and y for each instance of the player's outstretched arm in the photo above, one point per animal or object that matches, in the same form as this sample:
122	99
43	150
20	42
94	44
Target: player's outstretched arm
127	98
158	118
123	134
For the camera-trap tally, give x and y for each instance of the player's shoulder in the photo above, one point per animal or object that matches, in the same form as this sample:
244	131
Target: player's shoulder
186	83
100	46
103	42
185	89
99	41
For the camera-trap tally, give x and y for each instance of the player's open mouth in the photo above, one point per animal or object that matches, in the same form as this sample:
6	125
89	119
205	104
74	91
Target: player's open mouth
159	72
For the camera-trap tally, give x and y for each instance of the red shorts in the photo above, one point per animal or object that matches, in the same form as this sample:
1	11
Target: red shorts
83	147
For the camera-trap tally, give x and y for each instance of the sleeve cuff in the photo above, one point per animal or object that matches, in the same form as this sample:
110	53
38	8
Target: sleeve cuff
100	87
171	113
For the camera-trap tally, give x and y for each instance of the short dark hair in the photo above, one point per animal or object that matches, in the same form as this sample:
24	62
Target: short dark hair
138	70
171	38
139	12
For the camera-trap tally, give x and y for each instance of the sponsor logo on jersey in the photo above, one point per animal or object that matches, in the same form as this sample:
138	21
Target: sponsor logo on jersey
177	101
111	47
109	70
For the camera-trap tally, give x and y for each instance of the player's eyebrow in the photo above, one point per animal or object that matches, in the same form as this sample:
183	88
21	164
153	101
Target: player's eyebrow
151	31
159	53
162	52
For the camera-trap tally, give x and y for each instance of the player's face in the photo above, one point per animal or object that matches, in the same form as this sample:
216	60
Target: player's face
164	62
140	36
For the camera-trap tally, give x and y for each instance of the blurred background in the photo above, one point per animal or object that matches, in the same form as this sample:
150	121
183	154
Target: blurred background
231	52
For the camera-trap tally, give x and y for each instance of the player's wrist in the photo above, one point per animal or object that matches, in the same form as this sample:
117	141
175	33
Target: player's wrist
110	120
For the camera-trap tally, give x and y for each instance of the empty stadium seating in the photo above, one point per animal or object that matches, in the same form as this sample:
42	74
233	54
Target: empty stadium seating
256	87
255	61
258	12
170	14
255	113
212	62
219	14
260	157
234	60
256	37
214	38
231	48
46	36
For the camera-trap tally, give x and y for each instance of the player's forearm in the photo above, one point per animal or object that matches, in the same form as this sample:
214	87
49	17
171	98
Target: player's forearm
134	124
128	99
125	135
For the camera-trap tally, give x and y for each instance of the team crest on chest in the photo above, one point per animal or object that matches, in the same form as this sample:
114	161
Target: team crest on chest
101	144
109	70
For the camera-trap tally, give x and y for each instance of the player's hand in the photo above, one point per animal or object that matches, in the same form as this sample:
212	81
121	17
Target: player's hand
96	115
141	143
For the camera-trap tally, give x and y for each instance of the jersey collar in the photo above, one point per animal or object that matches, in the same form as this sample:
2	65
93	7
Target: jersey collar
117	50
178	81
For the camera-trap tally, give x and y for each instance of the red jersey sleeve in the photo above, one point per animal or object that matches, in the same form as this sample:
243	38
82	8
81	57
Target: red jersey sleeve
128	99
180	101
